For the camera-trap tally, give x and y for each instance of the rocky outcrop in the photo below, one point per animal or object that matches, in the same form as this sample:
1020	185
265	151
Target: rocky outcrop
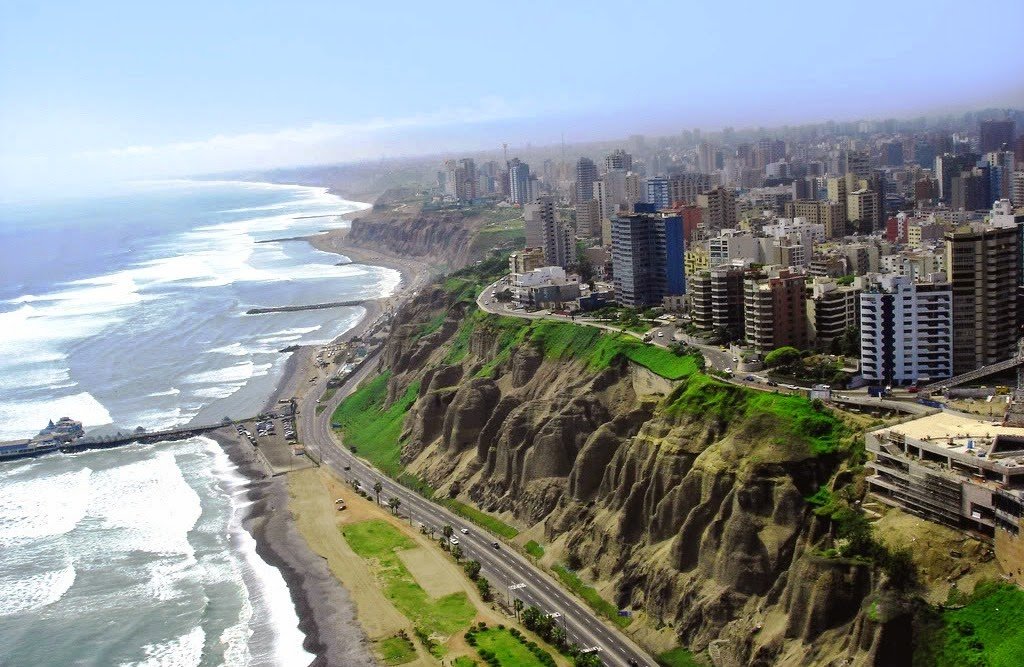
694	518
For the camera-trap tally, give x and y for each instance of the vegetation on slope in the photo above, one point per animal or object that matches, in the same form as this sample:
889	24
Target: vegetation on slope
797	419
573	582
988	631
372	427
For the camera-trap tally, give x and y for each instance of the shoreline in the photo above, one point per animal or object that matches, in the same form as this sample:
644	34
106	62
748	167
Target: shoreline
326	612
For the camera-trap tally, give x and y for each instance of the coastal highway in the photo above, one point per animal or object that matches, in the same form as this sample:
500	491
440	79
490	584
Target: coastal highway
502	566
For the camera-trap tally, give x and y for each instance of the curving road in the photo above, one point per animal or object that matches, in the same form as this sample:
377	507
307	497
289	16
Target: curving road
502	566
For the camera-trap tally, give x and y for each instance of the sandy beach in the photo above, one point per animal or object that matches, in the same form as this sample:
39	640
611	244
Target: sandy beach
325	608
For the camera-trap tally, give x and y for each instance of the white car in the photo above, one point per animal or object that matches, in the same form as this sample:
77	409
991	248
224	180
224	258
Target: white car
464	531
661	334
454	541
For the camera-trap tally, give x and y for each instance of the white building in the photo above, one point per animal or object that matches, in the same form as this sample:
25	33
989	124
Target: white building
906	330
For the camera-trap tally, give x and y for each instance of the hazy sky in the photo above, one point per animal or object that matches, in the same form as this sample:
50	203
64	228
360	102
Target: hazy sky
116	89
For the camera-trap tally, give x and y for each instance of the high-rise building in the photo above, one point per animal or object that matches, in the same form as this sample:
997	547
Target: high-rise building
519	181
588	218
619	159
774	311
905	330
946	167
857	164
546	231
995	134
684	188
831	310
706	162
862	209
1017	188
657	192
467	172
716	300
893	151
983	266
828	214
719	208
586	174
1000	167
969	190
638	259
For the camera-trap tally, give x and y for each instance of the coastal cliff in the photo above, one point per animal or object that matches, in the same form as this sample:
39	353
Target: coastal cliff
683	498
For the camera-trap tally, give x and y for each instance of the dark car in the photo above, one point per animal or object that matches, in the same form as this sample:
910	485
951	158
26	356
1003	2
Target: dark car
495	545
773	383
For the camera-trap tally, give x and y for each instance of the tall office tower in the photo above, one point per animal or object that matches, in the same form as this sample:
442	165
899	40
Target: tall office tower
619	159
675	253
905	330
684	188
706	158
586	174
947	166
1001	166
832	216
836	193
893	151
535	216
657	192
518	181
638	259
983	266
588	218
719	208
451	178
970	190
467	172
995	134
775	311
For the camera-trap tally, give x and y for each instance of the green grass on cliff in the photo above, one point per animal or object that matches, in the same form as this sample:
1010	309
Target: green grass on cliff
797	417
482	519
988	631
572	581
372	427
677	657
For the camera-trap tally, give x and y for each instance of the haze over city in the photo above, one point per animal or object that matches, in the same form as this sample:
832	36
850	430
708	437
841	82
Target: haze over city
119	90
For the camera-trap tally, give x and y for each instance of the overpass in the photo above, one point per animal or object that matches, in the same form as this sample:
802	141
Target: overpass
978	373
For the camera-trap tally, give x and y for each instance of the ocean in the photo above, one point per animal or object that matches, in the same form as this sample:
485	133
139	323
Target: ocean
128	310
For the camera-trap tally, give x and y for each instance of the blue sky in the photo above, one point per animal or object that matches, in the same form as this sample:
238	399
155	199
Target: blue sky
116	89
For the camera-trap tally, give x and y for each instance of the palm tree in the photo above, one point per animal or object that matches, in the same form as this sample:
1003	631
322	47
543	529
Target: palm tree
457	553
394	504
518	606
447	531
377	488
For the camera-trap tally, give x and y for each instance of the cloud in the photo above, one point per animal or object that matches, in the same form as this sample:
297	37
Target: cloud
284	141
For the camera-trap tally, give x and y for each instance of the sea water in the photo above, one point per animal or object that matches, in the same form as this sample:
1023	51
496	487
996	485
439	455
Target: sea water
128	310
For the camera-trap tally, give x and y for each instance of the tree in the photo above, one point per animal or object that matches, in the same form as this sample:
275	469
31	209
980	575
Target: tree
559	636
531	617
447	531
377	488
484	587
472	568
457	553
518	607
783	356
394	504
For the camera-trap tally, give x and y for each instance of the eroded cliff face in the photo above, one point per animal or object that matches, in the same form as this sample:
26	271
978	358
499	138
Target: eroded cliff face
694	519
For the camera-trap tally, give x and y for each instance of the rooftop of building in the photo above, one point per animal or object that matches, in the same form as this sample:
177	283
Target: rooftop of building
960	434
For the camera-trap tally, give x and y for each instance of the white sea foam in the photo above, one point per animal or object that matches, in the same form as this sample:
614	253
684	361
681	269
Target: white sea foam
25	418
32	508
182	651
173	391
239	373
20	593
124	498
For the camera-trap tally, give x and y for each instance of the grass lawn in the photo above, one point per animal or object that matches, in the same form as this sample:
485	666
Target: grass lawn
396	650
482	519
534	549
573	582
463	661
373	428
677	657
506	648
988	631
377	541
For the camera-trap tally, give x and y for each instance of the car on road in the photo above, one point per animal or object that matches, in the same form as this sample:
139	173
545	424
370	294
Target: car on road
772	383
454	541
735	359
661	334
348	467
495	545
464	531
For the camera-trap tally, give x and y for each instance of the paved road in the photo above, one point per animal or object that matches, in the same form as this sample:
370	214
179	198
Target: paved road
502	566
